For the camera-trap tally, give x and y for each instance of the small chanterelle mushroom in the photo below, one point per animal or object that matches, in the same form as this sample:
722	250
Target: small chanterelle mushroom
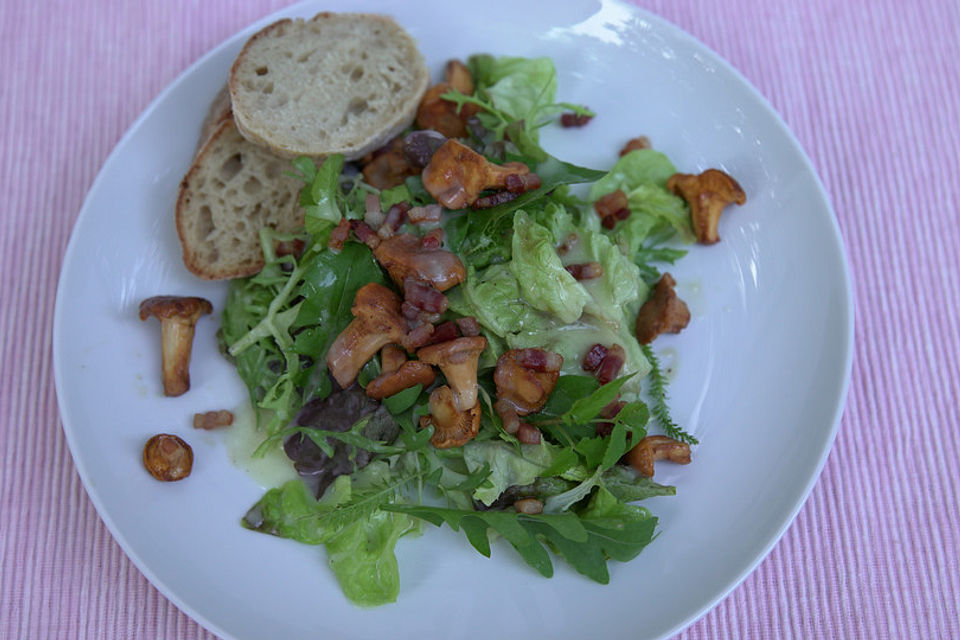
708	194
178	316
458	360
398	373
167	457
451	427
376	323
653	448
457	174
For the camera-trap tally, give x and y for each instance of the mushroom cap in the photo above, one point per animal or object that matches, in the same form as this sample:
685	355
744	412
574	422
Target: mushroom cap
451	427
707	193
403	255
524	389
456	351
179	307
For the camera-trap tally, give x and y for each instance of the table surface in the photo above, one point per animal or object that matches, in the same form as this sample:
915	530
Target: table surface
870	88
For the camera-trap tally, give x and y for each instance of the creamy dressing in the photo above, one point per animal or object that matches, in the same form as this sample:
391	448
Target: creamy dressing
243	438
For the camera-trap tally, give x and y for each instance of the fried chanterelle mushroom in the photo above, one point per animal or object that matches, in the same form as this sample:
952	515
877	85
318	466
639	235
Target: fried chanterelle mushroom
707	194
458	360
451	426
653	448
167	457
178	316
457	175
376	323
398	373
663	312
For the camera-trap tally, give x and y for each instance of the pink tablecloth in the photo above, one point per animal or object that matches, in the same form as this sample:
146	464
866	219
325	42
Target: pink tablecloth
870	87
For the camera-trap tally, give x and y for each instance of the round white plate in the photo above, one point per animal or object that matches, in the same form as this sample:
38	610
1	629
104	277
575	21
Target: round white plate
760	375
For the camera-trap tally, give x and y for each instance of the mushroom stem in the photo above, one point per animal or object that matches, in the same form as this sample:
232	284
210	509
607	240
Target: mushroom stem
176	337
178	316
458	360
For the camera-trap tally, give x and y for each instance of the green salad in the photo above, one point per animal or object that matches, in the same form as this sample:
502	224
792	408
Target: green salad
524	386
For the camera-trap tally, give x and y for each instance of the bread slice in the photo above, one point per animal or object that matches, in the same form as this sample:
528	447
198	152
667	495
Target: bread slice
232	190
219	111
338	83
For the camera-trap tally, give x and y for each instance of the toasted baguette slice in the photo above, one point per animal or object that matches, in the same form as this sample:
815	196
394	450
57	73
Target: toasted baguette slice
232	190
218	112
338	83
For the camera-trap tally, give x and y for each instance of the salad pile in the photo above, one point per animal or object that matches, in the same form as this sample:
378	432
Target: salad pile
530	387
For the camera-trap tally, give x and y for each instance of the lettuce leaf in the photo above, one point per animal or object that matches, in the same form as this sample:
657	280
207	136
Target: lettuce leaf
639	167
508	465
544	282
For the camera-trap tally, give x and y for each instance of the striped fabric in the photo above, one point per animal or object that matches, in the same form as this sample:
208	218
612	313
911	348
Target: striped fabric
870	87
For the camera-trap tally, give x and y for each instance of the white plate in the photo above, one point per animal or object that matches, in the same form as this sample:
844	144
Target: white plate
760	375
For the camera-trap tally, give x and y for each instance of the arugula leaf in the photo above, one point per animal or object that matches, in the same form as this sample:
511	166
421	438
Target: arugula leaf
587	408
585	541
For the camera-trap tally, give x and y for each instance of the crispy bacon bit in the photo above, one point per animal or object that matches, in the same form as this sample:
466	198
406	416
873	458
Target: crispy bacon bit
663	312
585	271
423	295
494	199
339	235
428	214
433	239
396	216
612	207
409	310
539	360
212	419
468	326
641	142
522	183
365	233
594	357
528	434
290	247
571	119
418	337
444	332
612	363
653	448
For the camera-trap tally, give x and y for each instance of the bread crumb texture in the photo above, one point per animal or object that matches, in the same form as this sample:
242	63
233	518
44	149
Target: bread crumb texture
232	190
338	83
